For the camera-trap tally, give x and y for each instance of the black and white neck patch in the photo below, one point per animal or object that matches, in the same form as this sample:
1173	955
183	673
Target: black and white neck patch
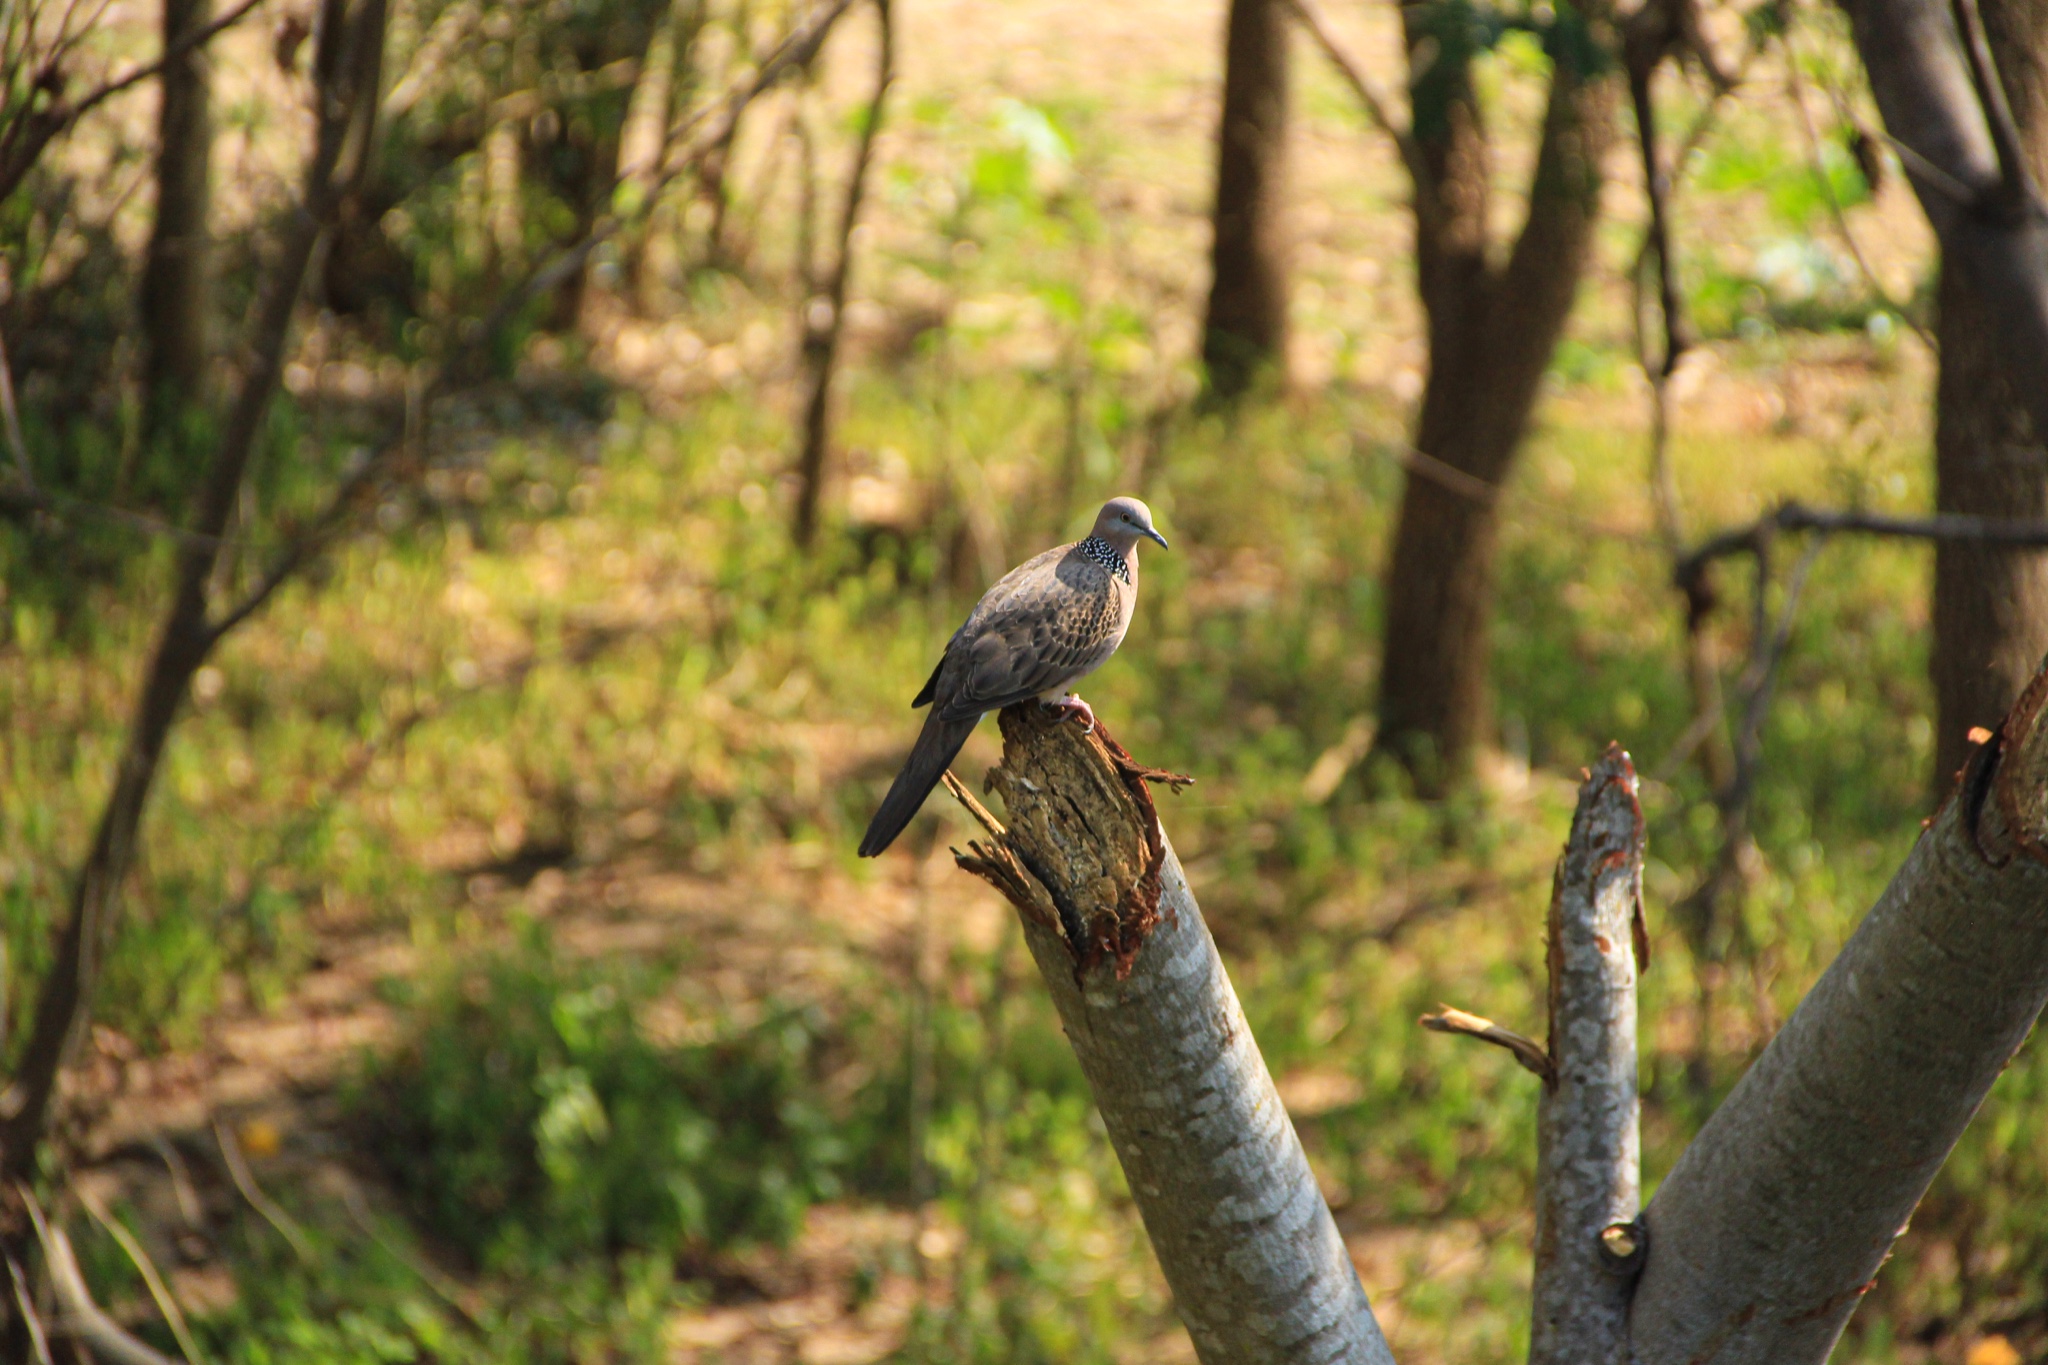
1104	553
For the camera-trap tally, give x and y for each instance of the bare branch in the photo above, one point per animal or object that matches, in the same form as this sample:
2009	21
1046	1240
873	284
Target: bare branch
1527	1051
32	1320
1953	527
350	44
1378	105
245	1181
2016	187
83	1318
1836	211
174	1317
22	145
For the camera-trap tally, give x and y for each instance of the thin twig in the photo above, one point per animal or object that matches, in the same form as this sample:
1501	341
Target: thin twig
1937	178
174	1317
982	814
205	33
83	1318
181	1182
2016	188
1836	210
1944	527
1760	680
245	1181
38	1342
1377	104
359	1213
820	345
19	503
1531	1054
23	141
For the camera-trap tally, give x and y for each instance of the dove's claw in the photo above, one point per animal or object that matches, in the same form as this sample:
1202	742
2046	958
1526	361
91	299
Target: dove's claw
1073	706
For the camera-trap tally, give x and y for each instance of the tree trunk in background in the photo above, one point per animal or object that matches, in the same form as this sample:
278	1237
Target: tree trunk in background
174	275
1990	604
1492	328
1246	328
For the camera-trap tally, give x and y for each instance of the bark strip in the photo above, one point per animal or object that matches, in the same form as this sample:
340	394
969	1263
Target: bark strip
1588	1156
1772	1226
1259	1273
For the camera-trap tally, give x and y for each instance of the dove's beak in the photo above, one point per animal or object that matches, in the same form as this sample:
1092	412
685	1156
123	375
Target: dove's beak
1148	531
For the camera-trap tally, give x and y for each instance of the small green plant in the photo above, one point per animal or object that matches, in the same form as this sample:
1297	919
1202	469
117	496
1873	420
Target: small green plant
529	1114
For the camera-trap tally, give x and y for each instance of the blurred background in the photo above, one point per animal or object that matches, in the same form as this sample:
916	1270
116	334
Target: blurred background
493	979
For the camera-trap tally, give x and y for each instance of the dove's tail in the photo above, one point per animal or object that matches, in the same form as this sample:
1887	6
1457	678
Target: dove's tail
936	746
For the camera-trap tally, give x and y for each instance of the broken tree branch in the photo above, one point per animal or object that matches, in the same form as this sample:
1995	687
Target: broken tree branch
1588	1151
1768	1232
1530	1053
1259	1273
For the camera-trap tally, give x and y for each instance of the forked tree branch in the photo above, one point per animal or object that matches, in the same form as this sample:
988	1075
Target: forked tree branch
1259	1273
32	130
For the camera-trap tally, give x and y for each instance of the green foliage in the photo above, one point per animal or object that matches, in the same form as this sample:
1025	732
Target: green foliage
530	1113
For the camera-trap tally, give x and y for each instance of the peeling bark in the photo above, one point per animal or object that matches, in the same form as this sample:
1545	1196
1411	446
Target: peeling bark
1588	1153
1259	1273
1775	1221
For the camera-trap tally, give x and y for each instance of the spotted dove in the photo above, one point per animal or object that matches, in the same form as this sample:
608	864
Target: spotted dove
1047	624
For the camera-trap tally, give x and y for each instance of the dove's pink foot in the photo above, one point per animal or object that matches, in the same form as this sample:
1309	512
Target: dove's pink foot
1072	705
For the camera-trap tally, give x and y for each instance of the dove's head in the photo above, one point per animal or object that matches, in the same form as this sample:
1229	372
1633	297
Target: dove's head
1123	522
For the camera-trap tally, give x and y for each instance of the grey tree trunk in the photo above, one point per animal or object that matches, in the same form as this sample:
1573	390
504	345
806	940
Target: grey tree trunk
1990	602
1259	1273
174	273
1245	332
1588	1150
1768	1232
